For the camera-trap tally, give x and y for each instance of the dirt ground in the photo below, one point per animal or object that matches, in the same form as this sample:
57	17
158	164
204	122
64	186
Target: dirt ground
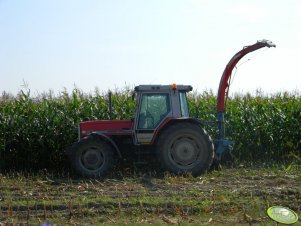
232	196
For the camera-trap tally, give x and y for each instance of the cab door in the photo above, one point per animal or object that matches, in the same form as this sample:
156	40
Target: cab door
153	109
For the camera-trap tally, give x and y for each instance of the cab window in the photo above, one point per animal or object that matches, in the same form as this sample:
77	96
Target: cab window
184	105
153	109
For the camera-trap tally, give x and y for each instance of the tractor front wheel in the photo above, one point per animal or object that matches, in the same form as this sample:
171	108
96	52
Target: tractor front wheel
92	157
185	148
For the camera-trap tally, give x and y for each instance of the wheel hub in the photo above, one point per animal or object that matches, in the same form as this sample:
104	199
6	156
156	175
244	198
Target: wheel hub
184	151
92	159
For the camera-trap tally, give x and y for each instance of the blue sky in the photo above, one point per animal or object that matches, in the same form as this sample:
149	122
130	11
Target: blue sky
56	44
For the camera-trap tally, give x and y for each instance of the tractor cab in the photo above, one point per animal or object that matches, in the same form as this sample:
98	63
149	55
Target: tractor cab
156	106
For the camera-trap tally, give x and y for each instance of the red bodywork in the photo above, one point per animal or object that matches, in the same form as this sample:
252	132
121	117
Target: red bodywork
107	127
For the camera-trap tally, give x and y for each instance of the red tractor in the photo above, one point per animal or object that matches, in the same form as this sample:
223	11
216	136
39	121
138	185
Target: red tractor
161	125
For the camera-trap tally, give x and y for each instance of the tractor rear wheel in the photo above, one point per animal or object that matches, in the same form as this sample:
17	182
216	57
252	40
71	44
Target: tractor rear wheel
92	157
185	148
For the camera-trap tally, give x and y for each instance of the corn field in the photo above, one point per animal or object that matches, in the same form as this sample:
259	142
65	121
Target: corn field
36	129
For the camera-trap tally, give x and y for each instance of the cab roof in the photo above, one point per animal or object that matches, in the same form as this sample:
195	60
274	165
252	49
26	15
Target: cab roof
185	88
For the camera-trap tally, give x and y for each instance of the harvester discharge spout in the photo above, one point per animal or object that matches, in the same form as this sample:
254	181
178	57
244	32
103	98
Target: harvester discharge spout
222	145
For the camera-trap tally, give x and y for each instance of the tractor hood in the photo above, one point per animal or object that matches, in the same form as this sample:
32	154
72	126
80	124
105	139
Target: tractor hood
108	127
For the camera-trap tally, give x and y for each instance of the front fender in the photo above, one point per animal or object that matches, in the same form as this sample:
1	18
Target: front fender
107	139
101	136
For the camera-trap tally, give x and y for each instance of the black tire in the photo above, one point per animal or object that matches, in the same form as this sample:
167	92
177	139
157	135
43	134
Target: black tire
185	148
92	157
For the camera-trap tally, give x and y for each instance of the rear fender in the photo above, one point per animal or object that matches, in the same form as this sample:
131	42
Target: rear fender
108	140
171	122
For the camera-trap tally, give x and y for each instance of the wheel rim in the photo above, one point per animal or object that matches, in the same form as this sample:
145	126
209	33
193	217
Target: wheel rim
184	152
92	159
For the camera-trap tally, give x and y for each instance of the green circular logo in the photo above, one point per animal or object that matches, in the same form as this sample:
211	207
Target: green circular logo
282	215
